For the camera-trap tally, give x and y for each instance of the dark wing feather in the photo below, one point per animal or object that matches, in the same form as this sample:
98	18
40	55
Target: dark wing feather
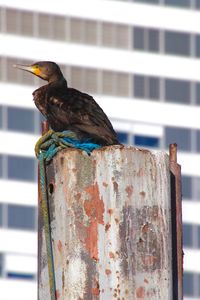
70	109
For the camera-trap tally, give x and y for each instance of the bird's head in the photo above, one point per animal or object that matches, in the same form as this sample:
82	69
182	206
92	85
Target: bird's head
46	70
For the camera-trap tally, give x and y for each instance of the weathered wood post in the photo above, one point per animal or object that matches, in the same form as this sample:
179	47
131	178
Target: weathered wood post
111	226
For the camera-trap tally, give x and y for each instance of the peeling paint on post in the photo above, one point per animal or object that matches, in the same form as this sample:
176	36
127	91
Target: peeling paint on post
111	225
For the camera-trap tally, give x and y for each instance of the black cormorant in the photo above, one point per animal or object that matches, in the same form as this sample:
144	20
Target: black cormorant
66	108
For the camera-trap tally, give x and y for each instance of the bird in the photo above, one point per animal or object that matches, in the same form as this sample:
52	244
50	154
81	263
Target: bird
67	108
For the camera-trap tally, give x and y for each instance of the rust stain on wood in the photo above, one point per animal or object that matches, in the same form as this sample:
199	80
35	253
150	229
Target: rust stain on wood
59	246
91	239
149	260
94	209
140	292
129	190
111	255
95	289
115	186
110	211
145	228
108	271
78	196
107	227
57	294
142	194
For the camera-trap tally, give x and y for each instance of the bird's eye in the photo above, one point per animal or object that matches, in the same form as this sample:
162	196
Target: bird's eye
36	67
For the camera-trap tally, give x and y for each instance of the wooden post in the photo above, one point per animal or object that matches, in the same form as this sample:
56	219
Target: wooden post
177	239
111	225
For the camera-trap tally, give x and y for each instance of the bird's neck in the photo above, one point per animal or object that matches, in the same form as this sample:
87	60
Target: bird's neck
56	76
57	81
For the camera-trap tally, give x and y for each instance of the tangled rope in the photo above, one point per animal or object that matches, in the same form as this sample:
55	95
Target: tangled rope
52	142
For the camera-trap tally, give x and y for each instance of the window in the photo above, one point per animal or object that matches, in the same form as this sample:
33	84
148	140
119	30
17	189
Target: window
58	27
146	141
108	82
187	235
181	136
153	88
20	275
197	45
12	74
21	168
76	30
198	284
44	25
188	280
90	78
26	23
198	140
177	91
20	119
177	43
39	118
21	217
12	20
196	188
122	84
108	34
1	166
90	34
139	86
1	64
148	1
77	78
197	4
1	264
1	217
1	12
187	187
181	3
122	36
198	93
146	39
139	38
122	137
153	40
1	117
198	237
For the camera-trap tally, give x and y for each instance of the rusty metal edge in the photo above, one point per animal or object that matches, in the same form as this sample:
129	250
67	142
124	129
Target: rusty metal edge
44	129
177	240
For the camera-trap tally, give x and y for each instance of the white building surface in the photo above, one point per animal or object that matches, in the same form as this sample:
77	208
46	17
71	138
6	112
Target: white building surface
141	61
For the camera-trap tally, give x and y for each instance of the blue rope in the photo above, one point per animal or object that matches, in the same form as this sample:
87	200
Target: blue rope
47	146
53	142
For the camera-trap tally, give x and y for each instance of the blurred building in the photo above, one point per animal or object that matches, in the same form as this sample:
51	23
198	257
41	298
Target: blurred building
141	61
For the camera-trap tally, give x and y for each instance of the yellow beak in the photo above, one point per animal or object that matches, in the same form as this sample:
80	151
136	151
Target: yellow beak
32	69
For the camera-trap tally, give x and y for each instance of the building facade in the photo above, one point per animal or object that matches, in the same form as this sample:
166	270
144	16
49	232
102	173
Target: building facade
141	62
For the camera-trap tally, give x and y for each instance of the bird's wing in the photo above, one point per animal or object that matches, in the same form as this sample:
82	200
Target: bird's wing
81	111
40	99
